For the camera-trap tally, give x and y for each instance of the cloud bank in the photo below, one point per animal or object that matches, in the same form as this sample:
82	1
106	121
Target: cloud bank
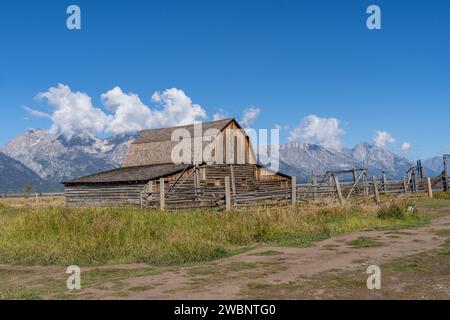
322	131
249	116
36	113
406	147
74	114
382	138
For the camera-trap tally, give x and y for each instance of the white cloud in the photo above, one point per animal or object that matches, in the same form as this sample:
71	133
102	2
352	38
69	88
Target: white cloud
249	116
73	112
281	127
219	115
406	147
130	114
177	109
382	138
36	113
322	131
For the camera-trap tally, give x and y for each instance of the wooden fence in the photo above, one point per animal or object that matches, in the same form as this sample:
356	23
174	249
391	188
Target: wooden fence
268	193
32	195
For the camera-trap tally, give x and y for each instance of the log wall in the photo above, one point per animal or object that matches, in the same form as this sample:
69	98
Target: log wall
102	195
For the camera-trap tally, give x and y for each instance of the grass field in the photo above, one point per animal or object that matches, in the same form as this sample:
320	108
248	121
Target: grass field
47	235
32	201
178	251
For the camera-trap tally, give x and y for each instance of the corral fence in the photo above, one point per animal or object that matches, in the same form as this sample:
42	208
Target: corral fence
204	195
272	193
35	195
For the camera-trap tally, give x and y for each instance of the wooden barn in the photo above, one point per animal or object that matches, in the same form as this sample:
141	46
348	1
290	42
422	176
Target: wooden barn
150	176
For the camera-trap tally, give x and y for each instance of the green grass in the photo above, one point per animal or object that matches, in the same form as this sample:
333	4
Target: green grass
438	201
15	287
441	195
443	232
258	285
267	253
64	236
141	288
331	247
365	242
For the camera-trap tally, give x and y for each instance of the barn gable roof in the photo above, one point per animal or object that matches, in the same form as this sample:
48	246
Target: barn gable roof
165	134
131	174
155	145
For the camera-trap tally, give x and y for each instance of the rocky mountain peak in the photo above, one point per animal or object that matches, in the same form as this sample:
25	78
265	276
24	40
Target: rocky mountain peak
57	158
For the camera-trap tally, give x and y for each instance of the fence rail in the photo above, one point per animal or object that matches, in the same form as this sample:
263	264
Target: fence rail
266	194
31	195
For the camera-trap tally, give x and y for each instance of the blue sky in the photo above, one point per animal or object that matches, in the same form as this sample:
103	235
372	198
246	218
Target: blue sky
290	59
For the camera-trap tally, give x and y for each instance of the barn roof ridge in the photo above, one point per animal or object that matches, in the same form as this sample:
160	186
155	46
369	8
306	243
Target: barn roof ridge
164	134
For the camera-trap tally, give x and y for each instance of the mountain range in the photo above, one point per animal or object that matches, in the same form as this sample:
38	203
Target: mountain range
301	159
55	158
45	160
14	175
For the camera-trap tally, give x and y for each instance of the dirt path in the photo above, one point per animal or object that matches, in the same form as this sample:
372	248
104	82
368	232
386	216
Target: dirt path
230	278
227	278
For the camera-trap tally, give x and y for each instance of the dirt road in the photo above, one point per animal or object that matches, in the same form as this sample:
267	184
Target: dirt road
329	269
229	278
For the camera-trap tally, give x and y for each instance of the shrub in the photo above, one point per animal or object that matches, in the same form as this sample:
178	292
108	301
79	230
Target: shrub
393	211
442	195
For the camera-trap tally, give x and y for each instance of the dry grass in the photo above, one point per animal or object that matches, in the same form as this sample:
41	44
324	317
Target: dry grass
58	235
40	202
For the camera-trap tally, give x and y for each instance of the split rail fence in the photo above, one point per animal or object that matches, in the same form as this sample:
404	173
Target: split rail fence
270	193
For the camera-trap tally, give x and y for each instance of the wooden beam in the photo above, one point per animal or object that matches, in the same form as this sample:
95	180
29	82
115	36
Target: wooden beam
227	194
314	183
162	200
445	175
366	187
430	189
196	179
294	190
375	190
354	185
354	175
384	182
405	186
338	189
233	182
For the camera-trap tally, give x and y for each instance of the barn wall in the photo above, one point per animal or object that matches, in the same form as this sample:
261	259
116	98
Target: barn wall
102	195
247	178
266	174
241	139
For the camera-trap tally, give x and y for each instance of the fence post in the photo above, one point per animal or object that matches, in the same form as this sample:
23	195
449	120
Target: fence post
233	183
375	190
384	183
162	200
366	187
430	189
338	189
314	183
151	189
227	194
294	190
405	186
445	175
